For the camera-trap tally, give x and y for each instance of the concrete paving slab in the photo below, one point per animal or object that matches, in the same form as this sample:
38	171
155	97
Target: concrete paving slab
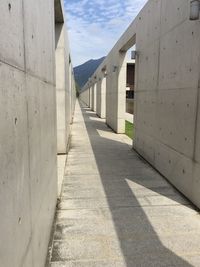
116	210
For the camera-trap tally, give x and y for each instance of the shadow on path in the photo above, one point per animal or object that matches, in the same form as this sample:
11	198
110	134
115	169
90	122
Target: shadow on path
135	192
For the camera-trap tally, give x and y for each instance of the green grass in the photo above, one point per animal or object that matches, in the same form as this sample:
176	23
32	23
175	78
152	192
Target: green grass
129	129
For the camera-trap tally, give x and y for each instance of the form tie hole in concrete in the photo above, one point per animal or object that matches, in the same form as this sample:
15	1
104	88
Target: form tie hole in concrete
32	36
20	220
15	121
9	6
183	171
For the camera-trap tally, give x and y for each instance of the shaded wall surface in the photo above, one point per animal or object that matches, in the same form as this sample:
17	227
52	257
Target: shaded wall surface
166	107
28	142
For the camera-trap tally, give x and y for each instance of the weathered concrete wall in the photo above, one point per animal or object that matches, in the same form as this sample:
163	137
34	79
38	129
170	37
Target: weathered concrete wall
167	112
28	147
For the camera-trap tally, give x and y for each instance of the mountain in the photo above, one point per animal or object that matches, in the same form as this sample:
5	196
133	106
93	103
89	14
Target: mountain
83	72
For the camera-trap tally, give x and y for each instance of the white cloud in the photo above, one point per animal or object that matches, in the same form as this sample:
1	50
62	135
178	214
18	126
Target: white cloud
95	26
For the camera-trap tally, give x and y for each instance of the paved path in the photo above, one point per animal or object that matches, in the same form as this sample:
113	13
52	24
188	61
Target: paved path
116	210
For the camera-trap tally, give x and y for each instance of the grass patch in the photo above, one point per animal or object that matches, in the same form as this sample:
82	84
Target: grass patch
129	129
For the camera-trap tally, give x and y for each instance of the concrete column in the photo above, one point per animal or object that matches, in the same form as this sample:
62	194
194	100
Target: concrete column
121	93
98	103
90	97
94	97
115	93
101	97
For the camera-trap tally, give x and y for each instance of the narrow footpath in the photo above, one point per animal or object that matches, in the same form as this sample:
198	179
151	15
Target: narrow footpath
116	210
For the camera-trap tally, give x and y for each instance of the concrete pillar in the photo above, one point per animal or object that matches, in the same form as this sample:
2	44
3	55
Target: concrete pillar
115	93
90	97
121	93
98	103
94	96
101	97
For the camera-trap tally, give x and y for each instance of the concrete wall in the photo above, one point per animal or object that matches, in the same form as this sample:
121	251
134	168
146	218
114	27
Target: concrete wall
28	147
65	87
167	112
61	87
167	107
72	93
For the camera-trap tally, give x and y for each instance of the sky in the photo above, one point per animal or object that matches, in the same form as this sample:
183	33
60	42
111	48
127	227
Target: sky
94	26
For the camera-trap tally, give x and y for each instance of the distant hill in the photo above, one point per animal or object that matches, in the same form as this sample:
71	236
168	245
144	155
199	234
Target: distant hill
83	72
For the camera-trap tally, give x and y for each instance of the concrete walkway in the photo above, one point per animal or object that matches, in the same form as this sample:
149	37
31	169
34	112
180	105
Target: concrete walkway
116	210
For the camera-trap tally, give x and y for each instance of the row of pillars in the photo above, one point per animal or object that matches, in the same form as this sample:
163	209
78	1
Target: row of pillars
105	92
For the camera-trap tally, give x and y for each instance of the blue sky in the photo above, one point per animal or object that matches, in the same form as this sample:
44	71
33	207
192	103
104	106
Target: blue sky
94	26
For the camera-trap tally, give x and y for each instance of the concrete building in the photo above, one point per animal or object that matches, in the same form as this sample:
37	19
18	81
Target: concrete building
167	111
28	131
